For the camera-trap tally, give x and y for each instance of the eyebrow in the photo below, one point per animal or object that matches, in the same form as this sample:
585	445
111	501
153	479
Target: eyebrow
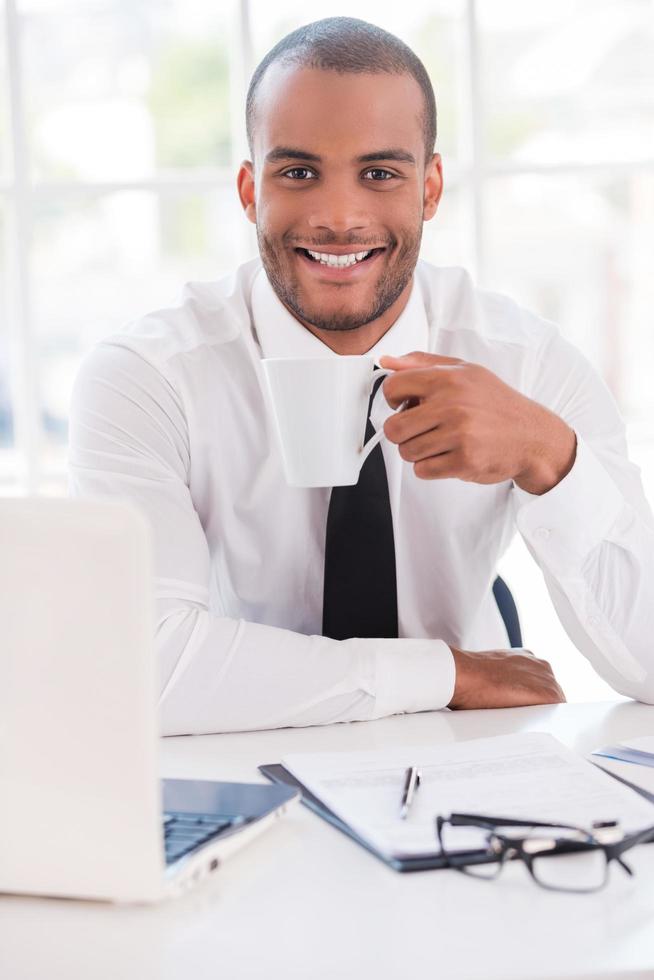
292	153
402	156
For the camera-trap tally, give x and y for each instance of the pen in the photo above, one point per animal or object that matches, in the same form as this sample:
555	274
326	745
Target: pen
411	783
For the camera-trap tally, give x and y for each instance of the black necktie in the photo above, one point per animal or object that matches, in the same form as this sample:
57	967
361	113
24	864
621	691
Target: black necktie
360	590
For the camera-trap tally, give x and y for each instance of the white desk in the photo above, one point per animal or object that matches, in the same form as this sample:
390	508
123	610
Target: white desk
303	902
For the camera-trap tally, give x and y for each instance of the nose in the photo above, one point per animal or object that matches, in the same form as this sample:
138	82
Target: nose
339	208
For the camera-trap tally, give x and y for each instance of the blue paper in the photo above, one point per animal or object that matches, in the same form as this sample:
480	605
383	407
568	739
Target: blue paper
624	754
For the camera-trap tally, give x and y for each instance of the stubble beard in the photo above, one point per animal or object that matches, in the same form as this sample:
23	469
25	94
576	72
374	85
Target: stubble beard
388	287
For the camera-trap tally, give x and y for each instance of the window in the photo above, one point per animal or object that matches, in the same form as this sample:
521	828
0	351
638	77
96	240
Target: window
120	137
117	142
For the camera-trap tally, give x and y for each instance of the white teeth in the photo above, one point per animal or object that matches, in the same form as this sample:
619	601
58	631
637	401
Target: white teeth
338	260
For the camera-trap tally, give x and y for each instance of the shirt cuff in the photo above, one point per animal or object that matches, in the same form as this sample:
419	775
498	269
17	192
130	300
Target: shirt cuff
565	524
411	675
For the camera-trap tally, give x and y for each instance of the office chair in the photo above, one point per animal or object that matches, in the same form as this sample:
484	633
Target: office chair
508	611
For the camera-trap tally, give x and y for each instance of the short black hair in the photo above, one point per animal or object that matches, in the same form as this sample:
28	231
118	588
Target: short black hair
343	45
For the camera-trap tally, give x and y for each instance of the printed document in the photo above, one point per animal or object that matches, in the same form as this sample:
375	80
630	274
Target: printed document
529	776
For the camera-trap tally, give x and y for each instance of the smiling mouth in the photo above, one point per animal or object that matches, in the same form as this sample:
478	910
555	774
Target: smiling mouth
339	261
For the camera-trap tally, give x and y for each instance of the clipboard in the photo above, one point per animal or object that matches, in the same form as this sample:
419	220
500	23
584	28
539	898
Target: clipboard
276	773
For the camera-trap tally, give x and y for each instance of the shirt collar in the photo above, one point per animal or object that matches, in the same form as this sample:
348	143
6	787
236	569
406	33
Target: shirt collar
281	335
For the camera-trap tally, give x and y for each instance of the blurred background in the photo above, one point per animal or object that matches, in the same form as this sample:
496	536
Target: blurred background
122	128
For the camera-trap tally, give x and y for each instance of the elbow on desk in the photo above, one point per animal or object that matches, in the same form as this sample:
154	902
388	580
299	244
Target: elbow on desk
644	696
628	672
179	635
200	693
642	691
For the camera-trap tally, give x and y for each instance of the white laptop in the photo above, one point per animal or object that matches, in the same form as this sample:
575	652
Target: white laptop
83	813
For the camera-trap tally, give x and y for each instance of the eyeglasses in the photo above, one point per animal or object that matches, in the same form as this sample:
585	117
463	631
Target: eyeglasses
560	857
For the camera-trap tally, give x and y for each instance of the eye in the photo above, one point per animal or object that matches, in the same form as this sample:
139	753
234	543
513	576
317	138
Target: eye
297	170
379	170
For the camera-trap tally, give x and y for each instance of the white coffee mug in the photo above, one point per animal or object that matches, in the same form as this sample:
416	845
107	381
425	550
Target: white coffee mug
320	406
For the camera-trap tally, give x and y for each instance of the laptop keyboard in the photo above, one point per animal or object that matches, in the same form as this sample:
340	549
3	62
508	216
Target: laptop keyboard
184	832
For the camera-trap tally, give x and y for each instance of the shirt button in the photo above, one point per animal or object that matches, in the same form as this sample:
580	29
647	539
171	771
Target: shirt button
542	532
593	621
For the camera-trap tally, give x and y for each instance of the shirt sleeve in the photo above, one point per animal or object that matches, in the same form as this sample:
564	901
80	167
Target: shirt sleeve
593	533
129	439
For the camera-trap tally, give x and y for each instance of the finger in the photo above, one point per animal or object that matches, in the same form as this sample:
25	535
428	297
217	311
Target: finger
432	443
416	359
417	383
444	466
414	420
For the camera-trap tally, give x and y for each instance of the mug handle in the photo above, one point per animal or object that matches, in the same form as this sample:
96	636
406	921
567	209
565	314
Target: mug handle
378	436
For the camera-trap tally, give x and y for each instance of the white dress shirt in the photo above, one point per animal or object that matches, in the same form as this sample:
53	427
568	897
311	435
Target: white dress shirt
172	414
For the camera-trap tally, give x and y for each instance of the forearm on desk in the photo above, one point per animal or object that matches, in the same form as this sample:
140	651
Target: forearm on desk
220	675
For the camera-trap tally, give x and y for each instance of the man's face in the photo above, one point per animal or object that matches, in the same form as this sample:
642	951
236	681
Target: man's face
335	202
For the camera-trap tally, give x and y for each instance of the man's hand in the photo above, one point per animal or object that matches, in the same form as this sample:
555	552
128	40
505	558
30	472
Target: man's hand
502	679
462	421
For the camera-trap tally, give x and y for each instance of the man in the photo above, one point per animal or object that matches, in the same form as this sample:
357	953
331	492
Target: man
506	426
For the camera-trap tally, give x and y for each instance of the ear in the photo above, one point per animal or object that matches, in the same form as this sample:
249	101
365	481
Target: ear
245	186
433	187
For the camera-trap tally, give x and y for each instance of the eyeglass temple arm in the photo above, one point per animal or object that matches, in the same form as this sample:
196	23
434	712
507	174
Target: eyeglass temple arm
641	837
483	820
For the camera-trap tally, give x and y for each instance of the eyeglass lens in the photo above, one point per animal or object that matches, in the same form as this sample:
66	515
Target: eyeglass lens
585	870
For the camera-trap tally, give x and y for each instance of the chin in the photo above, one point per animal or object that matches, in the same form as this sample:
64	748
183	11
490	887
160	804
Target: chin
333	320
